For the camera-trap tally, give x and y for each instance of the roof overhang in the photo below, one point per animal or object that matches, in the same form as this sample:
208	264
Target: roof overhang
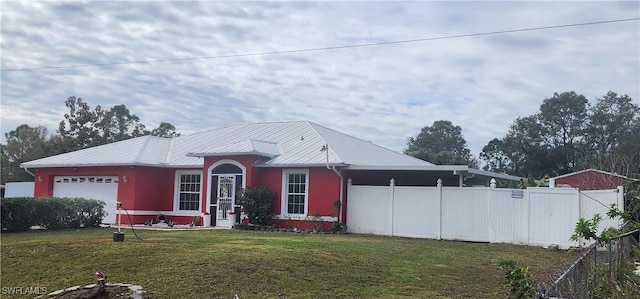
248	153
341	165
410	167
455	169
161	165
593	170
496	175
245	147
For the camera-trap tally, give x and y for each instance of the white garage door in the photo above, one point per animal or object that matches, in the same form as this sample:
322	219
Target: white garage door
104	188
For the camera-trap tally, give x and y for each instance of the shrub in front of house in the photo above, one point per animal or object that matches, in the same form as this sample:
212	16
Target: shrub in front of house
257	203
20	214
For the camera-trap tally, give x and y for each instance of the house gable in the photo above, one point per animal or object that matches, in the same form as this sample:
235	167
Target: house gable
589	179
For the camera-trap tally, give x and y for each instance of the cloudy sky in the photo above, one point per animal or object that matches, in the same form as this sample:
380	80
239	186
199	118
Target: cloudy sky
384	93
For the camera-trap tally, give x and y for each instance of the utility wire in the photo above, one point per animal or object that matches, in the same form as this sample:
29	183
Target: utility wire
322	48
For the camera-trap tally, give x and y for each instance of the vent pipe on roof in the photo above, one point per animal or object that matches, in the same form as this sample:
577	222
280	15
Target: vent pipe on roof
325	149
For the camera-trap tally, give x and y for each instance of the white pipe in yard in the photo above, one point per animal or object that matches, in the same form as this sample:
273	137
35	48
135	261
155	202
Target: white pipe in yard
119	215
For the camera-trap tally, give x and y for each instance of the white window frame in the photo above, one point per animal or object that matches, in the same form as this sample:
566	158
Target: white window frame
210	184
285	194
176	195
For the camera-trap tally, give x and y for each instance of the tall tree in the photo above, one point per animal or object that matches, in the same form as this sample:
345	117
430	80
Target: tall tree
610	129
625	157
24	144
527	149
165	130
119	124
563	119
81	127
495	158
568	135
441	143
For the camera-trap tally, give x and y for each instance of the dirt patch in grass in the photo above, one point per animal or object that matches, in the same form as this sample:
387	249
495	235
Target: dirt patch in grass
109	292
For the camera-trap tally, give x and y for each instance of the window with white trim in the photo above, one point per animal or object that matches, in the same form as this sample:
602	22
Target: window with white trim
188	192
295	192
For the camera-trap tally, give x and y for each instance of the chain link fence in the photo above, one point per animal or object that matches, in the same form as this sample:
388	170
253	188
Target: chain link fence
582	277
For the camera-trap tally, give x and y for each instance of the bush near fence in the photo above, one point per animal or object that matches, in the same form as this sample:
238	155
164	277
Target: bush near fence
21	213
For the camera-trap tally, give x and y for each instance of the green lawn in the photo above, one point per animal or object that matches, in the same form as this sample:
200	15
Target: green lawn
220	263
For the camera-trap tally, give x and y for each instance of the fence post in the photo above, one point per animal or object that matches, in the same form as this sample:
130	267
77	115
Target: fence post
346	208
574	277
527	196
439	185
620	203
392	184
610	260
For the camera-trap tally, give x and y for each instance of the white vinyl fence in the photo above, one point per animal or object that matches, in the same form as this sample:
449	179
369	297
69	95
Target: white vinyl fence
532	216
18	189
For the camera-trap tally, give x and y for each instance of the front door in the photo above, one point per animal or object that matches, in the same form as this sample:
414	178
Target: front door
226	199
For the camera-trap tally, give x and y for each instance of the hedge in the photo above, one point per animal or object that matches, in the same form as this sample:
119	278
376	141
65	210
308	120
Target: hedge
21	213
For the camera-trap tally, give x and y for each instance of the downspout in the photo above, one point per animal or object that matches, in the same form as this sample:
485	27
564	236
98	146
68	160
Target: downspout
341	191
326	149
29	172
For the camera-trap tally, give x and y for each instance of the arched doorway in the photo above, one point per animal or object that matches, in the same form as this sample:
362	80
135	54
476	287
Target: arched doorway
226	180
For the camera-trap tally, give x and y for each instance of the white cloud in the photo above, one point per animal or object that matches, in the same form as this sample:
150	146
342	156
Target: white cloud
384	94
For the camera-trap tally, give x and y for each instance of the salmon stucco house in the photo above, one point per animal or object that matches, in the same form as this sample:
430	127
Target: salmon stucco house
307	165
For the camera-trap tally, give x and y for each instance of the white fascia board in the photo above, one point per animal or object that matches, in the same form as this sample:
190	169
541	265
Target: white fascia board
410	167
202	155
323	165
456	169
594	170
494	174
162	165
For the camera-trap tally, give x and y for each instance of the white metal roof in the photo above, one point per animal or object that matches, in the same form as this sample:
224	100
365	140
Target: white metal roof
296	143
455	169
589	170
247	147
146	150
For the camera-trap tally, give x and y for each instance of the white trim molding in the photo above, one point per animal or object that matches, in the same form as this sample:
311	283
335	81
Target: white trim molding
299	217
176	192
167	213
285	193
209	174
